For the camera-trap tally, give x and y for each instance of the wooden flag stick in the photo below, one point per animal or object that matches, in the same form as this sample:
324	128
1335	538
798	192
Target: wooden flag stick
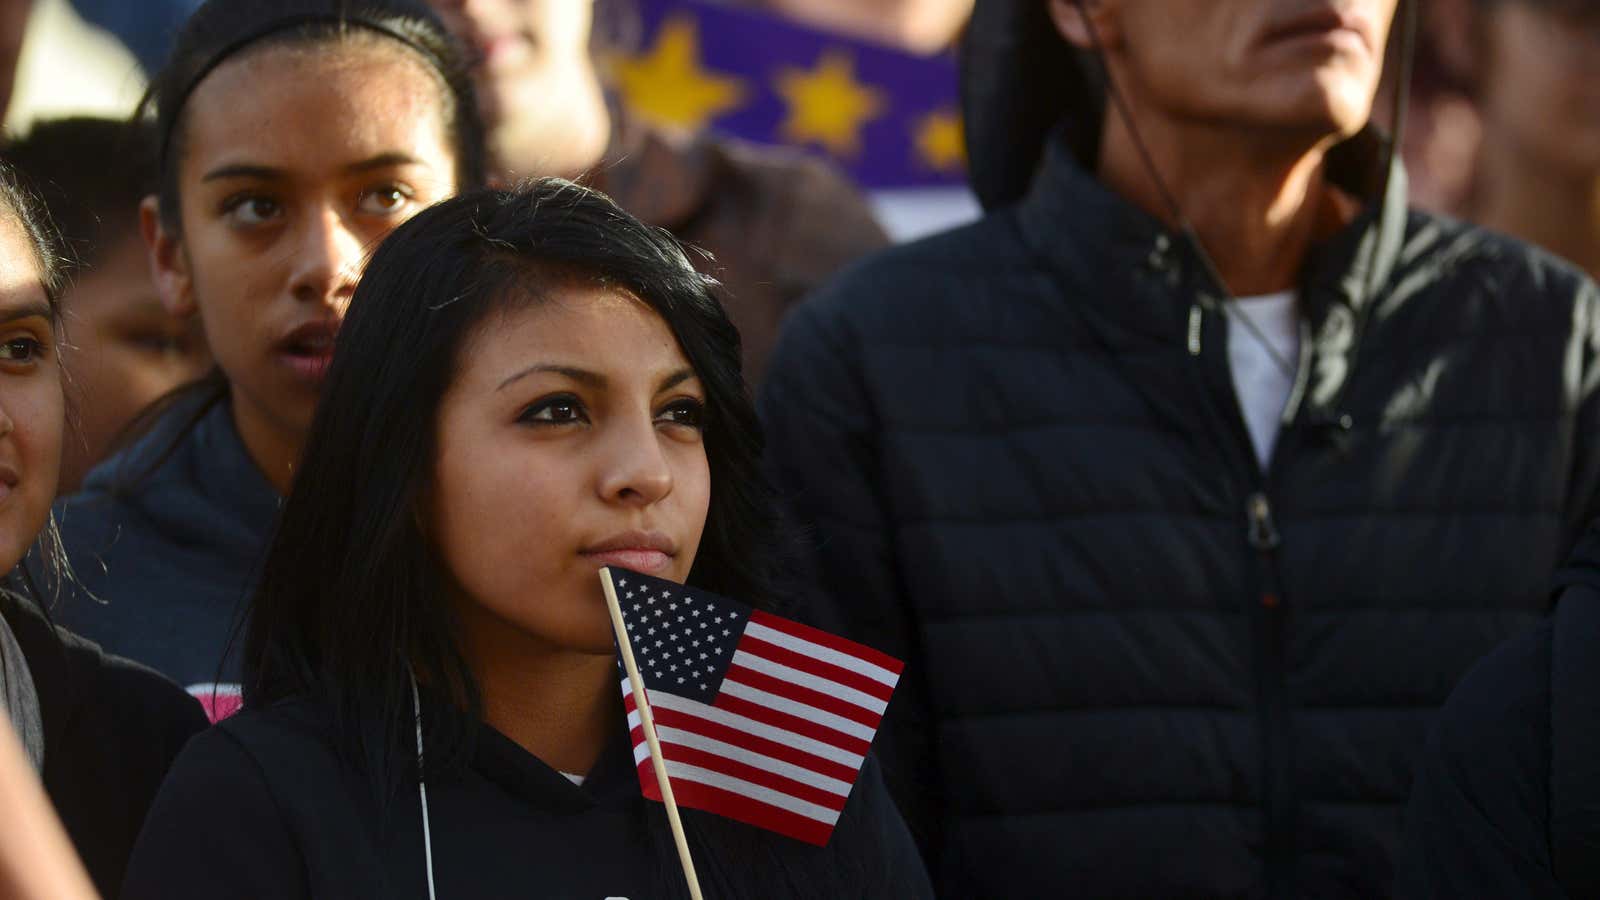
642	704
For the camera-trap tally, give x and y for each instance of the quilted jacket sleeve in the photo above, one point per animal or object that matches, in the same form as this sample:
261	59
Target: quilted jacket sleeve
823	451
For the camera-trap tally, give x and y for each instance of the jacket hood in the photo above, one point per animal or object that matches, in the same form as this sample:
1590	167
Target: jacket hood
1020	80
190	479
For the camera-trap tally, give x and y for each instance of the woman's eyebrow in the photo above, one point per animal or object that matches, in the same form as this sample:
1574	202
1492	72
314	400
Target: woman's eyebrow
26	311
676	378
268	173
242	170
383	161
582	376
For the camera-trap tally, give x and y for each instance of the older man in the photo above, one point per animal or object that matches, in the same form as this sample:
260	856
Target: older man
1191	479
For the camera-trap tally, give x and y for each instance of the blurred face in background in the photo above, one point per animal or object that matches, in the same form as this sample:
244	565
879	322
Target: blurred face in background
1302	66
537	86
1539	77
123	351
13	27
921	26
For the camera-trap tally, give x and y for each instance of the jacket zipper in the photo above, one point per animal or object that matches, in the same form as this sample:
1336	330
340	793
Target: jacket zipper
1276	740
1268	618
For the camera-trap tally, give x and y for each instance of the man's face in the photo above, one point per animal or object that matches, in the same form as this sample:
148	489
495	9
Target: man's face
1279	64
522	50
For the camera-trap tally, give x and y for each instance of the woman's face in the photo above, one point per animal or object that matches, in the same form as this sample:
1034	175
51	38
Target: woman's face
31	402
569	440
295	161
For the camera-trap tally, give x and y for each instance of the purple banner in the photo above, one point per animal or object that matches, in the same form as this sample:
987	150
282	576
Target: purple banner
888	118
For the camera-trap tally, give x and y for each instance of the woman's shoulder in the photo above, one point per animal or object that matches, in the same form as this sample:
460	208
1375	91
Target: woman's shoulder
276	764
226	821
289	733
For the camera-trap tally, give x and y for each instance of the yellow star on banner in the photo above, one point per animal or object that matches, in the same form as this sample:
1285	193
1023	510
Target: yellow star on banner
827	105
940	142
668	84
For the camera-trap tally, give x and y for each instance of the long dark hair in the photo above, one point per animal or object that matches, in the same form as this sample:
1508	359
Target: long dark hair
221	30
351	593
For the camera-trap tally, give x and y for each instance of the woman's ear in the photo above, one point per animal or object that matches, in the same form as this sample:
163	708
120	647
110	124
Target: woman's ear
169	267
1073	18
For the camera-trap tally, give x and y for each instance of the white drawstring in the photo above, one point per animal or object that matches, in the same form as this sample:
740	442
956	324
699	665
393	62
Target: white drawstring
422	785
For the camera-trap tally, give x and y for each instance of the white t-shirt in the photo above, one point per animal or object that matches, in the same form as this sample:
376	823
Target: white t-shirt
1261	383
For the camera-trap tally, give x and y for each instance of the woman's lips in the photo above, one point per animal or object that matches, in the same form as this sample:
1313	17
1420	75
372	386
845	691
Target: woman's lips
638	560
641	551
308	350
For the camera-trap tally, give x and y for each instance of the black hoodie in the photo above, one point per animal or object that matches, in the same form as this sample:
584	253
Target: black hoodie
262	806
111	730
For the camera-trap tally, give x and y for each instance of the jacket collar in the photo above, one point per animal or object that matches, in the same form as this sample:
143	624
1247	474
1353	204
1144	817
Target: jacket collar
1136	268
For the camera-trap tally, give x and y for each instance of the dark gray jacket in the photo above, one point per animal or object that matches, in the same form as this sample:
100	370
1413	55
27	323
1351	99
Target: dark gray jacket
166	538
1138	665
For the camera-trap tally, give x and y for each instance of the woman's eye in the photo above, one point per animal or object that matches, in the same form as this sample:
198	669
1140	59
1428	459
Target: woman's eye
385	201
252	210
556	410
691	413
20	350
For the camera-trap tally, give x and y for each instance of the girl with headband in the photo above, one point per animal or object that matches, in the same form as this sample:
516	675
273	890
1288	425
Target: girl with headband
294	135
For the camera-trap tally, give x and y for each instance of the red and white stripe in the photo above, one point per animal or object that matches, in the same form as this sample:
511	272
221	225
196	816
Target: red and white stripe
784	741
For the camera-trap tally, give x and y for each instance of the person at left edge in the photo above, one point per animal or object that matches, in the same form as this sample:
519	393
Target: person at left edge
576	404
101	731
292	136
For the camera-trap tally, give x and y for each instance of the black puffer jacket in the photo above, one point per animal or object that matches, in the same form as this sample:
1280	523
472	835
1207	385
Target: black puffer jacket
1139	665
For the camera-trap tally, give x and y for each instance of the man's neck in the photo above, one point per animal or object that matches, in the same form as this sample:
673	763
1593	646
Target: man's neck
1257	202
1542	204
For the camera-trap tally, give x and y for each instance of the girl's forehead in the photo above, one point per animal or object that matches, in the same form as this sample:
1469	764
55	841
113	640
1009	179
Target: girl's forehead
20	278
331	102
585	326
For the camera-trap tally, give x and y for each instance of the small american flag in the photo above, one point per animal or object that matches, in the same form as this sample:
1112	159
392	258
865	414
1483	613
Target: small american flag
760	719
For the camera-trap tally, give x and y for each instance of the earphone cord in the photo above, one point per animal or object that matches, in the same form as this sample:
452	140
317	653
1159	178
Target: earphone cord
422	785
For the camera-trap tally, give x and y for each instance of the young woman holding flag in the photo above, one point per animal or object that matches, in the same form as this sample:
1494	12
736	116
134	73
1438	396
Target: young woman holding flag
528	387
